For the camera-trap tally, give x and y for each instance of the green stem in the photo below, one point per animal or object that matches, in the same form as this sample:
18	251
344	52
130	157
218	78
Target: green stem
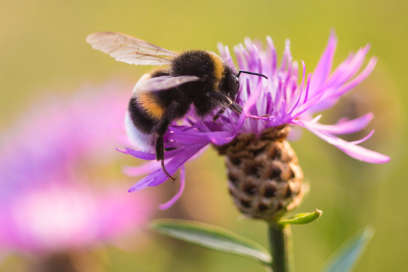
280	240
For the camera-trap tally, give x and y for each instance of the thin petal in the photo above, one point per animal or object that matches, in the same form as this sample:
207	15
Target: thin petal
358	79
345	127
173	200
252	98
158	176
323	68
122	151
151	156
363	154
221	49
221	139
135	171
354	151
364	139
352	67
333	94
301	89
198	137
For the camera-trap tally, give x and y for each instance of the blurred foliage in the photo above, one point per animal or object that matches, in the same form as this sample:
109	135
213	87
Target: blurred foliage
346	257
212	237
43	50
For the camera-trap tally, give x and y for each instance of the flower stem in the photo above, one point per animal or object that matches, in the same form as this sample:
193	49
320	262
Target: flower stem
280	241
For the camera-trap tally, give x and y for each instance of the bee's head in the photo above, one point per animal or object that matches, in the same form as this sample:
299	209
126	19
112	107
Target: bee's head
229	83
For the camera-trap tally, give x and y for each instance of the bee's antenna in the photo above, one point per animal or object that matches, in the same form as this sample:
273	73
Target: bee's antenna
251	73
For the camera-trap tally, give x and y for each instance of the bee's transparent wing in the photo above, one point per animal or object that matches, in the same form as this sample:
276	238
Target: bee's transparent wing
163	83
129	49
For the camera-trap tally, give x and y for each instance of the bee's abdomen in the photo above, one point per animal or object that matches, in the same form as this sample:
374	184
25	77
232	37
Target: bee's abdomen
150	103
140	117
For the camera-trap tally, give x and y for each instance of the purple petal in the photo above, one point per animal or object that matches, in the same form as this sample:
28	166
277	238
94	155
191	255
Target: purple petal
273	55
221	49
220	139
355	151
135	171
345	71
158	176
307	88
122	151
366	155
151	156
170	203
198	137
301	89
305	107
140	154
333	94
253	97
351	68
323	68
358	79
345	127
364	139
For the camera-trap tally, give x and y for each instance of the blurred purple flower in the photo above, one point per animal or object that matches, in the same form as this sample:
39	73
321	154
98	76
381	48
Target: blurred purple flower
278	100
45	205
56	132
66	216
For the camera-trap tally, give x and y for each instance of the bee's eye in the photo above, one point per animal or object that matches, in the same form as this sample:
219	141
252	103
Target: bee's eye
237	79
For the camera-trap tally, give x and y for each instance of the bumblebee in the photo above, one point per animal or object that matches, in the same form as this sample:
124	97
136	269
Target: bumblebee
193	78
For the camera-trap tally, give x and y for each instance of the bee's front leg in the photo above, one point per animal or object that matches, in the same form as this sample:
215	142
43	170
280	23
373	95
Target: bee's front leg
219	113
226	102
164	124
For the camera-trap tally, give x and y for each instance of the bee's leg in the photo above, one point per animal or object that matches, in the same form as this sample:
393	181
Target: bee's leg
238	109
219	113
223	99
235	107
162	128
227	103
160	156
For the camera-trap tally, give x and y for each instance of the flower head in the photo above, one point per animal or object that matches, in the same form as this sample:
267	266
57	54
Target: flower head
277	101
46	202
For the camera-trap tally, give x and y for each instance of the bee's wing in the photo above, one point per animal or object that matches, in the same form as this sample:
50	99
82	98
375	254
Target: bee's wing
163	83
129	49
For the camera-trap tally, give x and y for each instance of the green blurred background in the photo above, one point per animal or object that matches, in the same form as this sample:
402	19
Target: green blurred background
43	50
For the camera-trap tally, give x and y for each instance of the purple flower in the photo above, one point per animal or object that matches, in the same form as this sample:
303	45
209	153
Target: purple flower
66	216
271	102
48	161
